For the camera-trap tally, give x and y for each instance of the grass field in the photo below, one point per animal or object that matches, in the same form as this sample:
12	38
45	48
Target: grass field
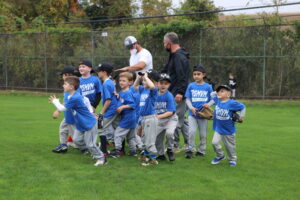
267	148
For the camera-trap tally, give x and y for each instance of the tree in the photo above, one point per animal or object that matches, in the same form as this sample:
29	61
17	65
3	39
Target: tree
191	6
156	8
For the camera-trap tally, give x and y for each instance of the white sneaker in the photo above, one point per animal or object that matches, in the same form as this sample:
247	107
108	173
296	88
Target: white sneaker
100	162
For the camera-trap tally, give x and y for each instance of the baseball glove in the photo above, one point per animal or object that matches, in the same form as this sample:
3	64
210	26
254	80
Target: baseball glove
206	113
236	117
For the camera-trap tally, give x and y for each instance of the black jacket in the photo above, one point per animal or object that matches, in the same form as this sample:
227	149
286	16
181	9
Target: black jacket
179	70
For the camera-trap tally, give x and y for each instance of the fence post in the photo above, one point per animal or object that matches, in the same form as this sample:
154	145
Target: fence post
200	46
5	60
92	41
264	65
45	61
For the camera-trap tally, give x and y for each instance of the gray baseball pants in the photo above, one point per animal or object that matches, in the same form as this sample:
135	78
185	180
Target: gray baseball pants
87	140
138	139
107	123
149	131
65	130
202	125
121	134
166	127
182	125
229	142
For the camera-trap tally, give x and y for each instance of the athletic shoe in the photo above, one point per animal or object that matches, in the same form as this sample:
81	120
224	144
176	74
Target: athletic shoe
217	160
188	154
170	155
150	162
132	153
232	163
61	148
199	154
101	162
161	157
115	153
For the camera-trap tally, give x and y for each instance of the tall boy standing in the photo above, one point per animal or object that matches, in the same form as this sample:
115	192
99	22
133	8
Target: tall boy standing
85	135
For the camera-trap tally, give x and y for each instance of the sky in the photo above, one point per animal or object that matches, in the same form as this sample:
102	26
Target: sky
229	4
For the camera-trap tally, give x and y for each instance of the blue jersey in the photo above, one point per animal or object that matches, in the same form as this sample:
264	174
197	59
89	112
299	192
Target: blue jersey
222	122
69	118
136	96
165	103
90	87
199	94
147	100
128	116
108	93
84	119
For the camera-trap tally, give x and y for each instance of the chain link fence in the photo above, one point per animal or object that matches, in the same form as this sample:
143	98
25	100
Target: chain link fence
264	59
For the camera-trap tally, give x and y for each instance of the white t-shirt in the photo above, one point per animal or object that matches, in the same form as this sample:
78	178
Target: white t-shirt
145	56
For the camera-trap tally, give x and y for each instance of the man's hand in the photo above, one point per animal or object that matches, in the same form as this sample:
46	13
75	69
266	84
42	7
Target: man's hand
55	115
178	98
124	69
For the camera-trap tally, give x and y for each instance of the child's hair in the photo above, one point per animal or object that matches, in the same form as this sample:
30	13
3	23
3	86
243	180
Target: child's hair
127	75
73	80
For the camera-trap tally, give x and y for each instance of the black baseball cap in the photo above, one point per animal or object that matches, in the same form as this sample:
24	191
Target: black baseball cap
226	87
67	70
164	77
106	67
86	62
199	68
153	75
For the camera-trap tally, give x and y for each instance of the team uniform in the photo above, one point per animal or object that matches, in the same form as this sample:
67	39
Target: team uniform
142	56
90	87
127	124
85	135
149	121
224	128
166	126
197	94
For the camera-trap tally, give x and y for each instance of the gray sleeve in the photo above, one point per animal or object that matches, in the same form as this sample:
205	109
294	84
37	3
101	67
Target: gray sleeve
243	112
189	103
211	102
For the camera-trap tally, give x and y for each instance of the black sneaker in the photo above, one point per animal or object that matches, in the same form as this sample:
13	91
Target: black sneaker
61	148
170	155
188	154
115	153
161	157
199	154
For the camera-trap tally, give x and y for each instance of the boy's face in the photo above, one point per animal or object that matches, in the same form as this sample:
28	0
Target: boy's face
67	87
84	70
101	74
223	94
198	76
163	86
124	82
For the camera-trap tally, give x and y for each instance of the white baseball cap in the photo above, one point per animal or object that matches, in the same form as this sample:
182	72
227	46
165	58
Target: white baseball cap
129	41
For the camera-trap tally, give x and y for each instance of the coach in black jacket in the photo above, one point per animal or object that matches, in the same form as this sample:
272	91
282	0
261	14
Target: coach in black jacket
178	68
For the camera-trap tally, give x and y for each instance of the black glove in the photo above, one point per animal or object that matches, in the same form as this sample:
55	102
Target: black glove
100	121
236	117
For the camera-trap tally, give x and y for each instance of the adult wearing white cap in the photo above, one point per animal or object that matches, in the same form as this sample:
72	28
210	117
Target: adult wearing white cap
140	59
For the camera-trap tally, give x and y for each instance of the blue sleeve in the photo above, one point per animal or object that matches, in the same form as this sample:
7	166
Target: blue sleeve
188	92
129	100
216	100
171	105
236	106
141	89
71	104
210	90
153	94
107	91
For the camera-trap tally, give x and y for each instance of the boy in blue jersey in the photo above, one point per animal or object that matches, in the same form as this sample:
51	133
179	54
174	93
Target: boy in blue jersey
90	86
127	124
149	120
197	94
67	125
165	108
223	124
110	104
85	134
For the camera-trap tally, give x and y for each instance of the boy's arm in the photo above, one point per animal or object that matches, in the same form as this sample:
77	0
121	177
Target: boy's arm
164	115
55	115
119	109
105	106
137	83
149	83
57	104
190	106
242	114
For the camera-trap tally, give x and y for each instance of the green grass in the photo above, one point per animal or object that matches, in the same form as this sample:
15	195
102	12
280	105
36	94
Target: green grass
267	148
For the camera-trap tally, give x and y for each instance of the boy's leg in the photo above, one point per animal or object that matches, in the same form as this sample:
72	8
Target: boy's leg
102	132
120	134
182	125
63	132
131	140
202	124
170	129
159	143
217	146
192	132
90	138
149	134
229	142
138	139
78	139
